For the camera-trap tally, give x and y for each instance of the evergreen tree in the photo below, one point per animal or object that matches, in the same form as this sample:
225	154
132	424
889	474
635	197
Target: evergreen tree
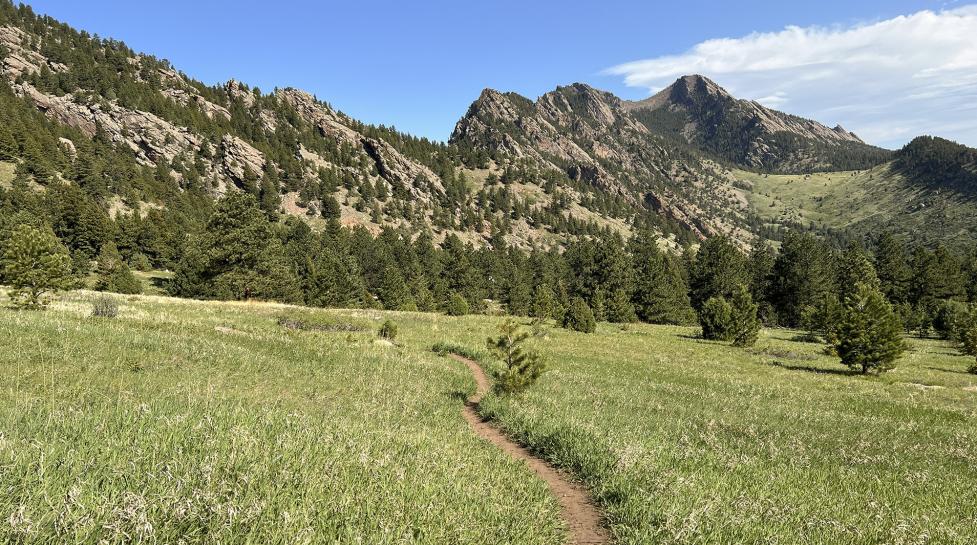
330	208
822	318
719	267
457	305
967	332
334	281
869	334
240	258
9	150
579	317
35	263
745	324
113	273
716	319
802	276
518	296
619	308
892	267
545	305
660	294
854	267
760	265
271	201
522	367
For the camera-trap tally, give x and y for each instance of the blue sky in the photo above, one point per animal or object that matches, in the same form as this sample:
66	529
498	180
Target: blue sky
418	65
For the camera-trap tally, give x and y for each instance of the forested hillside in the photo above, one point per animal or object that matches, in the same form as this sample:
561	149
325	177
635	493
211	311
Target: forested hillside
533	207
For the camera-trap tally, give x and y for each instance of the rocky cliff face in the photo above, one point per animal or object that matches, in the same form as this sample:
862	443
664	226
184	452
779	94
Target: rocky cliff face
227	158
591	136
749	134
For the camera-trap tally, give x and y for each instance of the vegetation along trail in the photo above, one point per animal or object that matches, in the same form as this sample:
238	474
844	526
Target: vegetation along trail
583	520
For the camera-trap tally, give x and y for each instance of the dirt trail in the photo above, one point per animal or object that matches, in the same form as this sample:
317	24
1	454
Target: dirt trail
581	515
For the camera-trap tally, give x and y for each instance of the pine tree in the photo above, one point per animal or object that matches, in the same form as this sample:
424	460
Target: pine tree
522	367
239	257
579	317
545	305
619	308
716	319
457	305
745	324
719	267
822	318
35	263
854	267
330	208
869	334
9	150
271	201
892	267
760	265
967	332
660	294
802	276
113	273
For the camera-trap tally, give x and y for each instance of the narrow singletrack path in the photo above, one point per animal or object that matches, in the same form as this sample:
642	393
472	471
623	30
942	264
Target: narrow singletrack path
584	521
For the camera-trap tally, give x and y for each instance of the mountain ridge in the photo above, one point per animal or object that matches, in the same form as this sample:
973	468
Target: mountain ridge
575	162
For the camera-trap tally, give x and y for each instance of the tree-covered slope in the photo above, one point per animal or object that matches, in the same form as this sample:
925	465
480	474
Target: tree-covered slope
132	132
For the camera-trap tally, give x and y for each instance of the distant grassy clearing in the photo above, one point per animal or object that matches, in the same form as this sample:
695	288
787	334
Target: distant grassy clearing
833	199
871	200
210	423
6	173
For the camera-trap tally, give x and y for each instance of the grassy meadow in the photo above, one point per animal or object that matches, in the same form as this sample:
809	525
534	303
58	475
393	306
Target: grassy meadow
876	198
196	422
191	422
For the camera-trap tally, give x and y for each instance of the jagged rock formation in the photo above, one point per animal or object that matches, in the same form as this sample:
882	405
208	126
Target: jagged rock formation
590	136
703	114
575	162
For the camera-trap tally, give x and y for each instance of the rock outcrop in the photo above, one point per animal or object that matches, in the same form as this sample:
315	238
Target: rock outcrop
748	133
590	136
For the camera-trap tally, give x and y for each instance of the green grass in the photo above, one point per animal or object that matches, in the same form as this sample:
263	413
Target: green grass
213	423
6	173
191	422
835	199
866	200
689	441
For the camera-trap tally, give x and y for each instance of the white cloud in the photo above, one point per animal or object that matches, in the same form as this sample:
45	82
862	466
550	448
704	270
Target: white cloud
888	81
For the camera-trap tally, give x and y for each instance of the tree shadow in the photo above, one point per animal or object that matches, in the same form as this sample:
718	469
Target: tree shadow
815	370
806	338
953	371
458	395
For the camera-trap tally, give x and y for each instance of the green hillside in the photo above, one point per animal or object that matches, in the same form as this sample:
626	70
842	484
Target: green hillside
863	202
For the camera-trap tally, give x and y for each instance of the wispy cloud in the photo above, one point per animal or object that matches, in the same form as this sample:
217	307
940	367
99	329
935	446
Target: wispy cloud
888	81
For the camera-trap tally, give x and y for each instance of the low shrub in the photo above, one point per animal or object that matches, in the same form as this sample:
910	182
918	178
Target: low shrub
105	306
388	330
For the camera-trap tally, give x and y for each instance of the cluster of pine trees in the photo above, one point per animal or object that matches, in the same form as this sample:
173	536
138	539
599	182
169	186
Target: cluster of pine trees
239	252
